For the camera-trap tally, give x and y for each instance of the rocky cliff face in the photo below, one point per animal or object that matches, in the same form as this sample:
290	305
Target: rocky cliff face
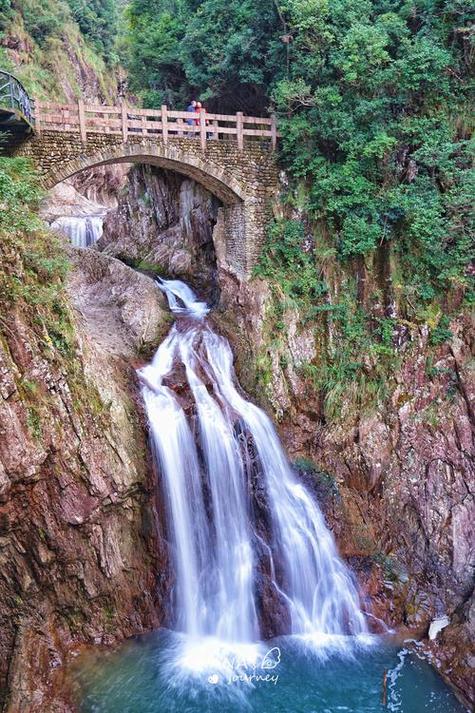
396	481
164	222
81	560
81	552
51	56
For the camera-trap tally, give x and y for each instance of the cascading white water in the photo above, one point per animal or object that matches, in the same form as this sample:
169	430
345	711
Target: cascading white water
82	231
208	495
320	593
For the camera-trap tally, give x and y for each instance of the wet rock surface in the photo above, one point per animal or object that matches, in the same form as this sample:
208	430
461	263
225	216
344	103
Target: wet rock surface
396	484
64	200
81	558
124	311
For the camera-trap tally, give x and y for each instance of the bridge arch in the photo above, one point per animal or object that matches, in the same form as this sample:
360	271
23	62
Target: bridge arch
244	179
202	169
227	154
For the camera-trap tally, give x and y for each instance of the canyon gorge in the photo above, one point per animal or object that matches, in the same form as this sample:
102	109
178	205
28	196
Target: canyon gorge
86	559
241	490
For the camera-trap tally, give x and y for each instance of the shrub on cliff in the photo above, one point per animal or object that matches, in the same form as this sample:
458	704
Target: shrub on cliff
373	115
33	264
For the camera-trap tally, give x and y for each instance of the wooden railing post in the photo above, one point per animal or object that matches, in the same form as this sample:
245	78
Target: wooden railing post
239	130
123	113
164	124
203	129
38	117
273	129
82	121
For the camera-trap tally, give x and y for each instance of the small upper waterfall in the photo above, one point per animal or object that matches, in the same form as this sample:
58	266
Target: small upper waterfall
205	464
82	231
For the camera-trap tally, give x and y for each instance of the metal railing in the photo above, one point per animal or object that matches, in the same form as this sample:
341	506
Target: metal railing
13	95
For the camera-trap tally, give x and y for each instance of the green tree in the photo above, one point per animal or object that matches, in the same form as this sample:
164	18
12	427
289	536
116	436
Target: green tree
226	53
372	115
232	54
155	31
5	13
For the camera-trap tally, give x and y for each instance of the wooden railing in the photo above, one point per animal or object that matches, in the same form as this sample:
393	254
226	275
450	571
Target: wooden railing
130	122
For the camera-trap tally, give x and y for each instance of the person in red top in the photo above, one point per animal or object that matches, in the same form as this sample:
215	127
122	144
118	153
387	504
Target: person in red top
199	109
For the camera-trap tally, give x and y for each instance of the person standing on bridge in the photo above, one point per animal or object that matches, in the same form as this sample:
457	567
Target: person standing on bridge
191	109
200	108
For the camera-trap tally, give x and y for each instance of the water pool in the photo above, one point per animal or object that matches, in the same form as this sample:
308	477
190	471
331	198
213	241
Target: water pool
161	673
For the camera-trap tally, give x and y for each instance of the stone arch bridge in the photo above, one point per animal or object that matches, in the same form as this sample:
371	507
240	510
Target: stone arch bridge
231	155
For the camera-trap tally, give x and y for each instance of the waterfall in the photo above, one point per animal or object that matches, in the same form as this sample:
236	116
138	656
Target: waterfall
81	231
206	474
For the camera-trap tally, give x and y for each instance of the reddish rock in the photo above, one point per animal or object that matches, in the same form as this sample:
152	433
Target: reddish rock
405	472
80	544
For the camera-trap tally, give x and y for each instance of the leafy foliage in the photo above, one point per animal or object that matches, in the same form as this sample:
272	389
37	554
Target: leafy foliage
47	23
441	333
372	102
19	195
367	129
155	35
5	13
287	259
373	105
54	24
223	52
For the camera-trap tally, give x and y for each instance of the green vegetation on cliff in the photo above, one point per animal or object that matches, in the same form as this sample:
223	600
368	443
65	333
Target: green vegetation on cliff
98	21
375	125
34	266
33	261
373	105
61	49
376	233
